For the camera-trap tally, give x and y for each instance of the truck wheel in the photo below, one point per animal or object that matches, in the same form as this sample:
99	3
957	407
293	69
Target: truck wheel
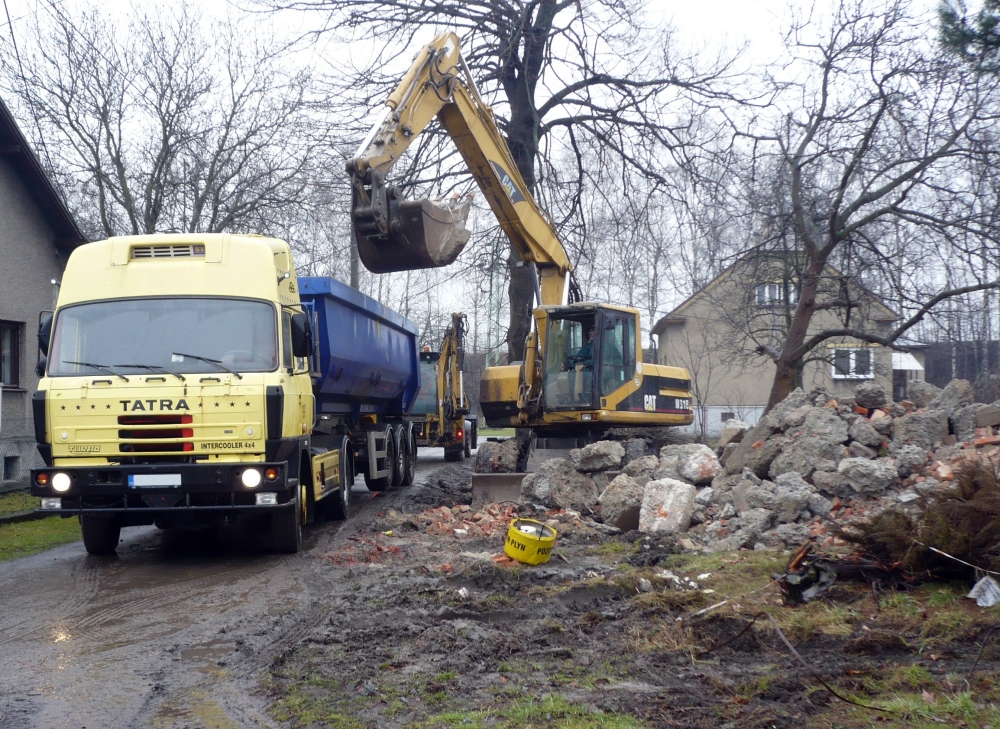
455	454
467	439
286	529
100	533
411	457
475	434
384	483
399	462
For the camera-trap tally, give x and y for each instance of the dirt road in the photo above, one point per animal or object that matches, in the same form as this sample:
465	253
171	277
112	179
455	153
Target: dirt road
172	632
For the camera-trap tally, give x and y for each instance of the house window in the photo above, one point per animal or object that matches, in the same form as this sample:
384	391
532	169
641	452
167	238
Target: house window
9	361
853	364
769	294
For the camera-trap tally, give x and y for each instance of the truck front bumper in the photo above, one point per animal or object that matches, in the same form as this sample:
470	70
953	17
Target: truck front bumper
149	489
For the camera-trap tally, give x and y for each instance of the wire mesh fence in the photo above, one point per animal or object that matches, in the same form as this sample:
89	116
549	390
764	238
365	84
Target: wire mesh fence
17	457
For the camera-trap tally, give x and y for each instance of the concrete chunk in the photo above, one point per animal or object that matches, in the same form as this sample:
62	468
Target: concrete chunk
667	505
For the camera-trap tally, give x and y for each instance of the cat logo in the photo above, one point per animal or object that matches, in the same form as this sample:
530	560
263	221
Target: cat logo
508	184
649	402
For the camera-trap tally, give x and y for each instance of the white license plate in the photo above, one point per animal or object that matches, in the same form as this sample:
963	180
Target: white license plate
152	480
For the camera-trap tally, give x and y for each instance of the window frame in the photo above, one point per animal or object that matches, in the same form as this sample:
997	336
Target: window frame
784	292
15	354
852	373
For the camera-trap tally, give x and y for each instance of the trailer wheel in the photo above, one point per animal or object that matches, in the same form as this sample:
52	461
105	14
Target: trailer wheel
384	483
100	533
286	528
411	456
399	462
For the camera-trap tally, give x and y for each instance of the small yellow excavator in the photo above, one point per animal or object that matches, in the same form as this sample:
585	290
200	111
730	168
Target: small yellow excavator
582	372
440	409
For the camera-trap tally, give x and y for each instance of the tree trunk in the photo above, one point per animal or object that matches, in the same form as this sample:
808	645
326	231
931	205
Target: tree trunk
520	77
788	373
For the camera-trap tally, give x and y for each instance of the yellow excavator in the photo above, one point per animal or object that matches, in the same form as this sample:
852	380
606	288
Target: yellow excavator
440	409
582	372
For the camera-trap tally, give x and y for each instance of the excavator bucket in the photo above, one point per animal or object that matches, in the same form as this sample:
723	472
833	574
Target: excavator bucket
420	234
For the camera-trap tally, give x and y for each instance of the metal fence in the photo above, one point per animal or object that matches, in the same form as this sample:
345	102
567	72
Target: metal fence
18	456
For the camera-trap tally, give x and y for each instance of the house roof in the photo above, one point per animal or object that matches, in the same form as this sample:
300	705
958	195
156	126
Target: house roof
14	148
676	316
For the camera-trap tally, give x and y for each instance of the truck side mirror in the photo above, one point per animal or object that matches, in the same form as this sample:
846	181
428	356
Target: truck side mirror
301	336
44	331
40	366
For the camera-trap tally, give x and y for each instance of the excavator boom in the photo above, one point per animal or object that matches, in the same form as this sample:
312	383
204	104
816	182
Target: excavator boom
395	234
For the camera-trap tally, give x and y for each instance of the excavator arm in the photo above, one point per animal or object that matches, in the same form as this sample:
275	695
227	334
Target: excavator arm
452	403
395	234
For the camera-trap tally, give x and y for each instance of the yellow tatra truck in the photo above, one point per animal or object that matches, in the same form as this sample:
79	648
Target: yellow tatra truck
191	380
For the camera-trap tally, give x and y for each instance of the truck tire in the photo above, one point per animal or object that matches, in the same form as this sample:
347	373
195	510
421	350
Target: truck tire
399	462
475	434
384	483
286	529
100	534
467	440
453	454
337	507
410	470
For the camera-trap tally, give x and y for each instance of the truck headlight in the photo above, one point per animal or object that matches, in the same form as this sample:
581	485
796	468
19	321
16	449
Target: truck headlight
61	482
251	478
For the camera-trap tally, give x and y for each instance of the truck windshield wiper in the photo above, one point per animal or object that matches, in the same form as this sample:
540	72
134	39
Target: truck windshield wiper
153	368
100	368
215	362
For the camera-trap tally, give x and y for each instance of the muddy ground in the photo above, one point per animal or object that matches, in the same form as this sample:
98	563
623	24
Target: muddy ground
419	627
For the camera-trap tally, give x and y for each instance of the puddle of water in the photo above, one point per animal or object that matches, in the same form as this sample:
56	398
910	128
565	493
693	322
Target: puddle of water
208	654
197	709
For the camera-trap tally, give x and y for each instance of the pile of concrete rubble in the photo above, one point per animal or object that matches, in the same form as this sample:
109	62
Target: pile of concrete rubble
808	466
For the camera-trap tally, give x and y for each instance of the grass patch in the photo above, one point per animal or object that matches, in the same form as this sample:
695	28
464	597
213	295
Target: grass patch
496	432
611	550
552	712
17	502
30	537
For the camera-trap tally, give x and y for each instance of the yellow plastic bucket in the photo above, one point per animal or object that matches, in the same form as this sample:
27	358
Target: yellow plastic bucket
529	541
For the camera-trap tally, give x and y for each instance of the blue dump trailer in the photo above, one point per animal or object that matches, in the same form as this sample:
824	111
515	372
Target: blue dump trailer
366	355
366	374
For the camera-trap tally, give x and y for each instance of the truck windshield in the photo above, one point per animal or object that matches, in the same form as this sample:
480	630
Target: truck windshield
239	333
426	402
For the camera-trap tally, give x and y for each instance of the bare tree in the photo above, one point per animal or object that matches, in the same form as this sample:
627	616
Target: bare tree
157	123
563	75
872	146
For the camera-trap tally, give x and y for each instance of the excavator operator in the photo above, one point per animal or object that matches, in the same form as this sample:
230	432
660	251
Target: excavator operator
581	368
583	359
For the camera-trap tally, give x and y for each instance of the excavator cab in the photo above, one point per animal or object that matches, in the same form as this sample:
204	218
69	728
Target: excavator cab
589	353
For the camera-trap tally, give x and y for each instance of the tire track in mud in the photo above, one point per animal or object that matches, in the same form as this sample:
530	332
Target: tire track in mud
161	636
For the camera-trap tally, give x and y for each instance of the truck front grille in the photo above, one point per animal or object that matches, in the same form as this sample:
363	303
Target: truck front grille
156	435
168	251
